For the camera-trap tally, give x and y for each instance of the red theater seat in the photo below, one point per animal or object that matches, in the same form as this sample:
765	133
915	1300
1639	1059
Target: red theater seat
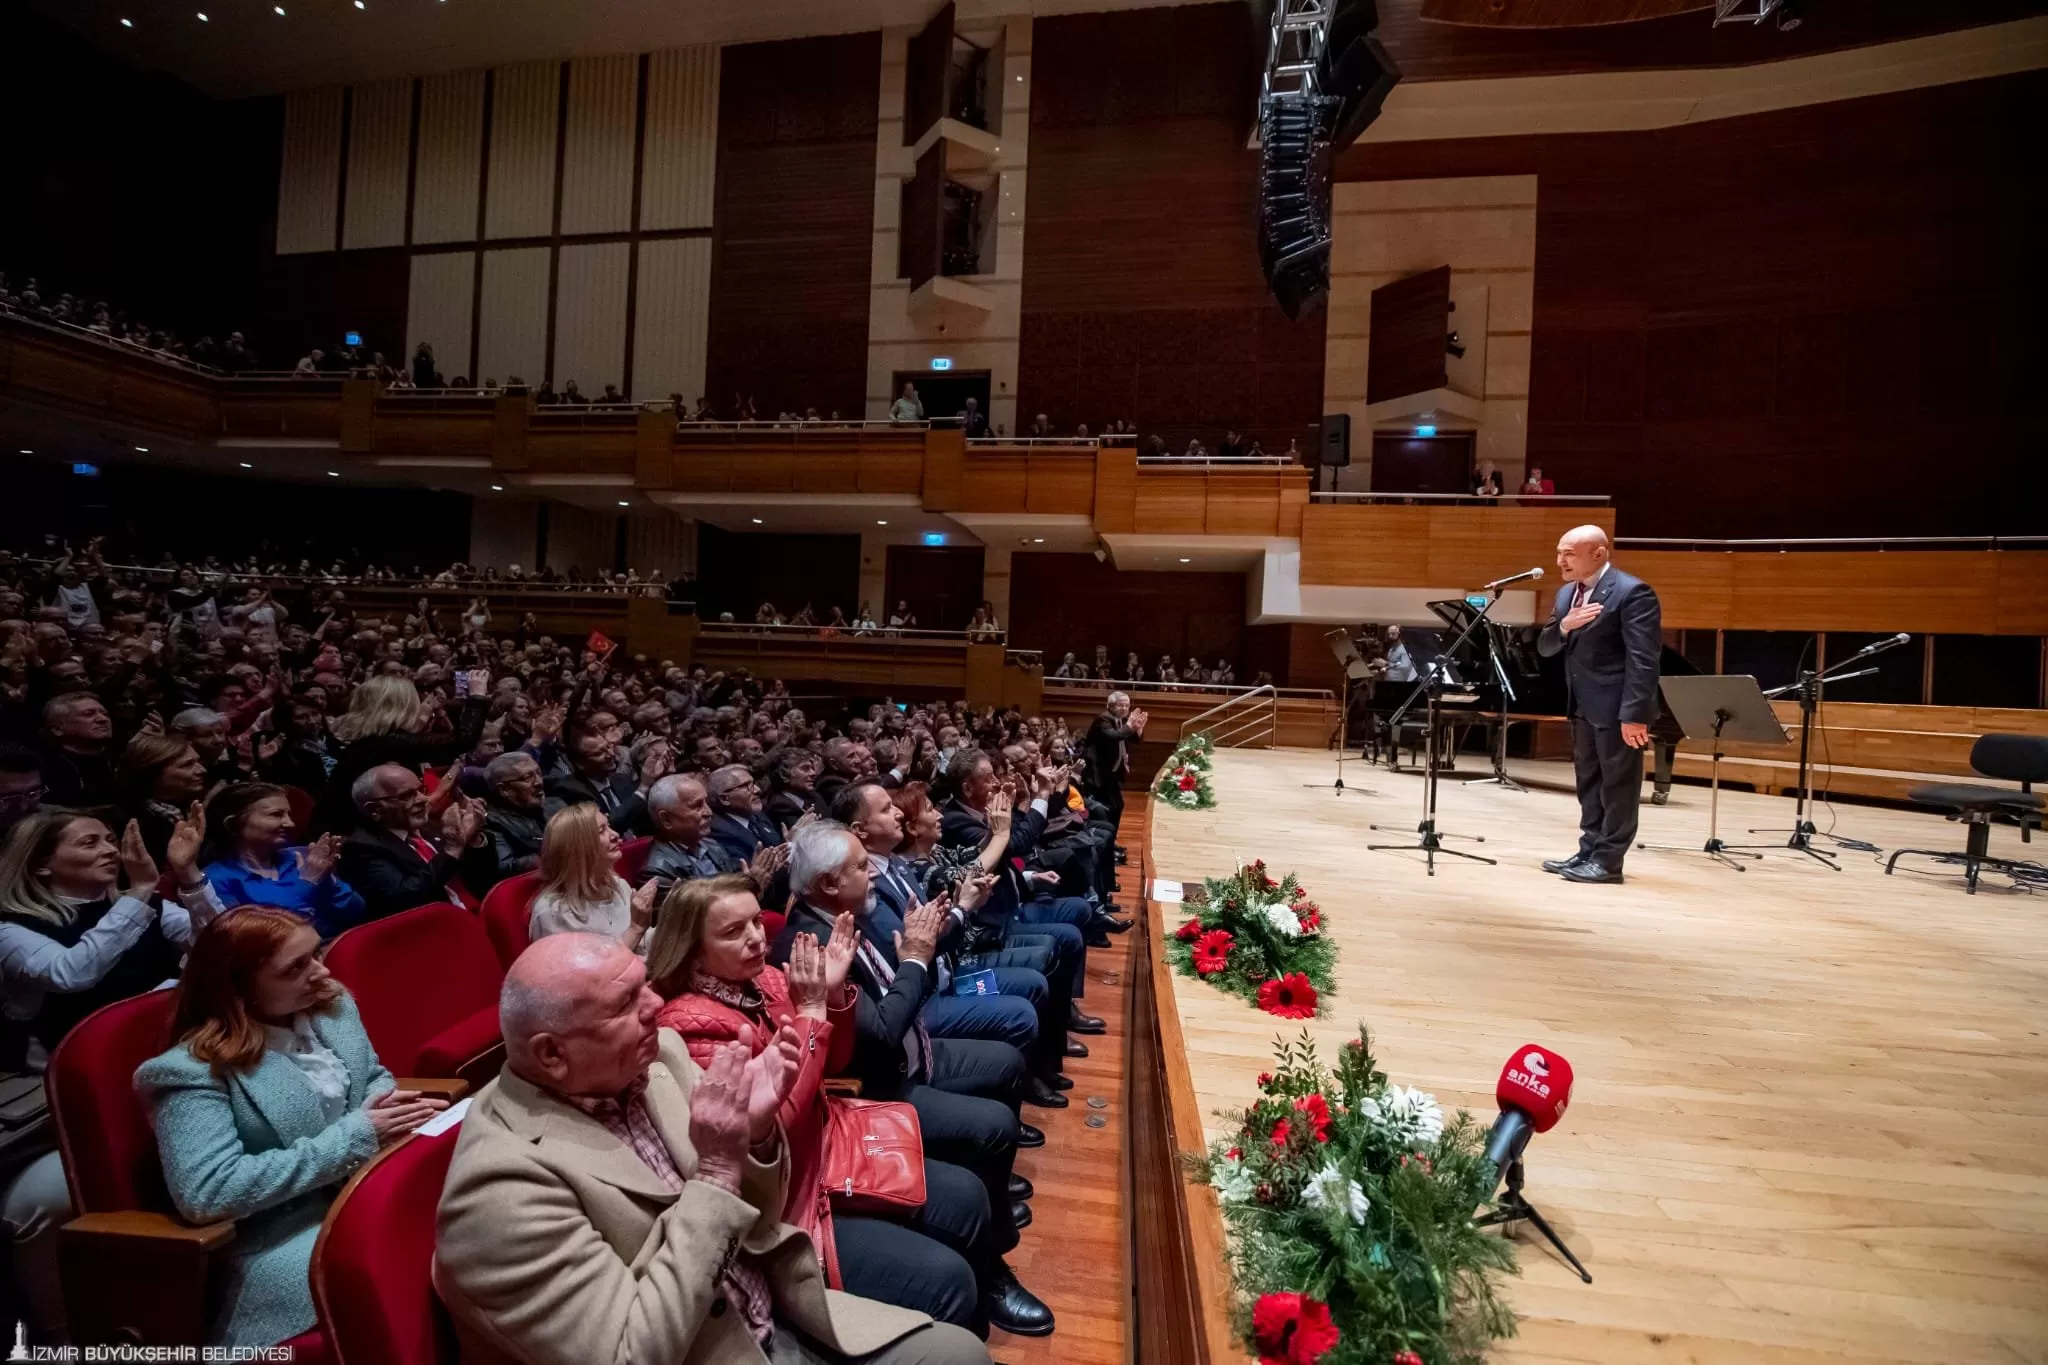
132	1270
633	856
373	1265
427	984
504	915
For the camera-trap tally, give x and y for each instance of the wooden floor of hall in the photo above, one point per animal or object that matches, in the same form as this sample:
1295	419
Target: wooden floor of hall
1075	1253
1811	1105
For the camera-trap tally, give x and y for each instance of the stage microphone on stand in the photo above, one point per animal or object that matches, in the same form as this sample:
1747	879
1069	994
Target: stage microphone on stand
1528	575
1889	642
1533	1091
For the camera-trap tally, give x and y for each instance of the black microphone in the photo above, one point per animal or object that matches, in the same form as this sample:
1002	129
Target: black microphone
1893	643
1523	577
1511	1133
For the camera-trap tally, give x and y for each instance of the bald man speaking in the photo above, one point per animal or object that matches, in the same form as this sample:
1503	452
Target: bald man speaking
1609	628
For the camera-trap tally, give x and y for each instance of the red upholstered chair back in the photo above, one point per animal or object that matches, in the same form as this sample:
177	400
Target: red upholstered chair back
633	857
505	912
415	974
772	922
110	1155
300	802
373	1265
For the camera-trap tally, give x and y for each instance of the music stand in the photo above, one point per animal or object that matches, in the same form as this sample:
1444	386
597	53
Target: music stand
1725	706
1356	669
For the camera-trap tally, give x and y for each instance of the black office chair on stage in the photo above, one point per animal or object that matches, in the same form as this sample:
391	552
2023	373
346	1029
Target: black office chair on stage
2016	758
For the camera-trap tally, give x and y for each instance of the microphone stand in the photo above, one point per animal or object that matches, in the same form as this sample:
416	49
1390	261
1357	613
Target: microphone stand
1499	755
1513	1208
1809	686
1429	688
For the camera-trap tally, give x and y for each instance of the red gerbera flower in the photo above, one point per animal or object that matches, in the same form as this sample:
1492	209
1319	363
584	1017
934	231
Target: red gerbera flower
1190	931
1311	919
1290	997
1317	1110
1281	1132
1187	780
1265	1079
1235	1153
1212	952
1292	1329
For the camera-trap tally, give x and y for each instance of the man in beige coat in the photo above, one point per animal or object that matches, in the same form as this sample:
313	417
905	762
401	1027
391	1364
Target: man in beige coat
611	1201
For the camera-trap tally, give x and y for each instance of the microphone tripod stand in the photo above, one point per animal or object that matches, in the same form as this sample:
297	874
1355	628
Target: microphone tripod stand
1512	1208
1429	689
1809	687
1499	746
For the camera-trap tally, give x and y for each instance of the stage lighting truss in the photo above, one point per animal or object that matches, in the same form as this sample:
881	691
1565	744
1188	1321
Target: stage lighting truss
1294	53
1743	11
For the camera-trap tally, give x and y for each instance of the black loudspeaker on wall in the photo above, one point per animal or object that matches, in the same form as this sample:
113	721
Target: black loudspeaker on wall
1336	448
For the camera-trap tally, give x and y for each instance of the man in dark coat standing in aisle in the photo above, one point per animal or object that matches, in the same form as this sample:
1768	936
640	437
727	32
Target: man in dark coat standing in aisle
1608	626
1107	750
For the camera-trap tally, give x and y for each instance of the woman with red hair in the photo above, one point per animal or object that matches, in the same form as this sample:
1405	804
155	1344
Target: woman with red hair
269	1099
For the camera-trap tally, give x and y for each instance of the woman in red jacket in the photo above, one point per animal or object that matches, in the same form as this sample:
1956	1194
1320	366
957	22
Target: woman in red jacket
709	960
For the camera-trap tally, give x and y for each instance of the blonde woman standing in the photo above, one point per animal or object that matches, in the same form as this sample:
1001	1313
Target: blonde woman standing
387	722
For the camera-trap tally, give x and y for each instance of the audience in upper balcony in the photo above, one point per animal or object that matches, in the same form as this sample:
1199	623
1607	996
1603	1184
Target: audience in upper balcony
908	407
973	421
1536	485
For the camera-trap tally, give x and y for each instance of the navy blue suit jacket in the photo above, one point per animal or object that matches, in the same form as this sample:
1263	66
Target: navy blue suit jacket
1611	664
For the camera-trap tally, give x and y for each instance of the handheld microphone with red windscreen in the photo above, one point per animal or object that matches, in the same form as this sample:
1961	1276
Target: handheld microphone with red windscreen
1533	1090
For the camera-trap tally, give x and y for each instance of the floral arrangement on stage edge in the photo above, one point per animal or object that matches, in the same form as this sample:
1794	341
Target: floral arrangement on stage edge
1258	938
1349	1203
1184	781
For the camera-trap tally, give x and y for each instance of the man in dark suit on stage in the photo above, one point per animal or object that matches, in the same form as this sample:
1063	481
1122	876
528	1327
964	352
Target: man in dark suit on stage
1107	751
1608	626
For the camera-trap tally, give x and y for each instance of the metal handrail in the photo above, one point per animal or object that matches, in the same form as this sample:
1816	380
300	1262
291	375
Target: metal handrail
1594	499
1234	690
1879	543
113	343
1185	462
1272	696
878	632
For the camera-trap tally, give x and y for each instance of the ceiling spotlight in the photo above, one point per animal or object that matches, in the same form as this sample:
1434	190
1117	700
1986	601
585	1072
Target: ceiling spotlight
881	523
334	473
247	465
278	8
497	488
202	16
757	521
1038	540
144	450
127	23
624	503
361	5
28	452
1185	560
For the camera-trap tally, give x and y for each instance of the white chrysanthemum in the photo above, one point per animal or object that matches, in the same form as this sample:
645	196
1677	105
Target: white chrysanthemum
1412	1115
1284	921
1234	1184
1330	1188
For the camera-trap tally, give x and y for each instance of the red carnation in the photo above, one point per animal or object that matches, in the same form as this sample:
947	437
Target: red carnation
1265	1079
1235	1153
1190	931
1292	1329
1281	1132
1187	780
1290	997
1299	892
1406	1358
1311	919
1212	952
1317	1111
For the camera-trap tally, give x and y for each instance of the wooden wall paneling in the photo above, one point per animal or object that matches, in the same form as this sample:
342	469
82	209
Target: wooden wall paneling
679	163
525	121
701	468
449	162
1242	503
76	376
1293	504
1477	545
921	229
597	151
891	468
1059	481
1378	545
827	471
1061	602
1171	502
1116	489
1696	591
379	146
590	316
2022	580
928	62
309	183
945	458
794	223
995	480
512	315
769	471
1410	318
1716	390
1960	592
670	315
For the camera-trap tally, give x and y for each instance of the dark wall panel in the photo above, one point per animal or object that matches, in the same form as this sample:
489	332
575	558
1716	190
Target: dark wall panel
942	584
1143	298
738	572
1812	322
1063	602
795	221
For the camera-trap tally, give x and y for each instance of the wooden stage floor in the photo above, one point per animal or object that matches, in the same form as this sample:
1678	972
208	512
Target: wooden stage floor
1811	1114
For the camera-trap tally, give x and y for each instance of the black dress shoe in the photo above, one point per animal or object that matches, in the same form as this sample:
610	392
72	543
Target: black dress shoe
1020	1214
1059	1082
1123	855
1076	1048
1028	1136
1590	871
1078	1022
1012	1307
1560	864
1111	924
1094	937
1039	1093
1020	1188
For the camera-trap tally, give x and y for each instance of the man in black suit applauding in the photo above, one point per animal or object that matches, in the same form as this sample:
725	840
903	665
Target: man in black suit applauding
1608	626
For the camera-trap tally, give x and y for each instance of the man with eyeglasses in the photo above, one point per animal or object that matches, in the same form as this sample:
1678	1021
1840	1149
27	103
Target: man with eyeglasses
738	824
513	817
389	858
21	785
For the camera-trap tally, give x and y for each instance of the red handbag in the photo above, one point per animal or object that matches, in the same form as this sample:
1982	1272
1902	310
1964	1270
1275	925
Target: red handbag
874	1156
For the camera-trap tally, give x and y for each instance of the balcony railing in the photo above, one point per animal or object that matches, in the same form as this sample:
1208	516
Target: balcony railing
1461	499
1822	543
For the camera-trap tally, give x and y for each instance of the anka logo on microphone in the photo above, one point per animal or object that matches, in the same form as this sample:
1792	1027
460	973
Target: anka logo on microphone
1533	1073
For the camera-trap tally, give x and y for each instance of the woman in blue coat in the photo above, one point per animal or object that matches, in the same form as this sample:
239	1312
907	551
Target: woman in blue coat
250	860
270	1099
